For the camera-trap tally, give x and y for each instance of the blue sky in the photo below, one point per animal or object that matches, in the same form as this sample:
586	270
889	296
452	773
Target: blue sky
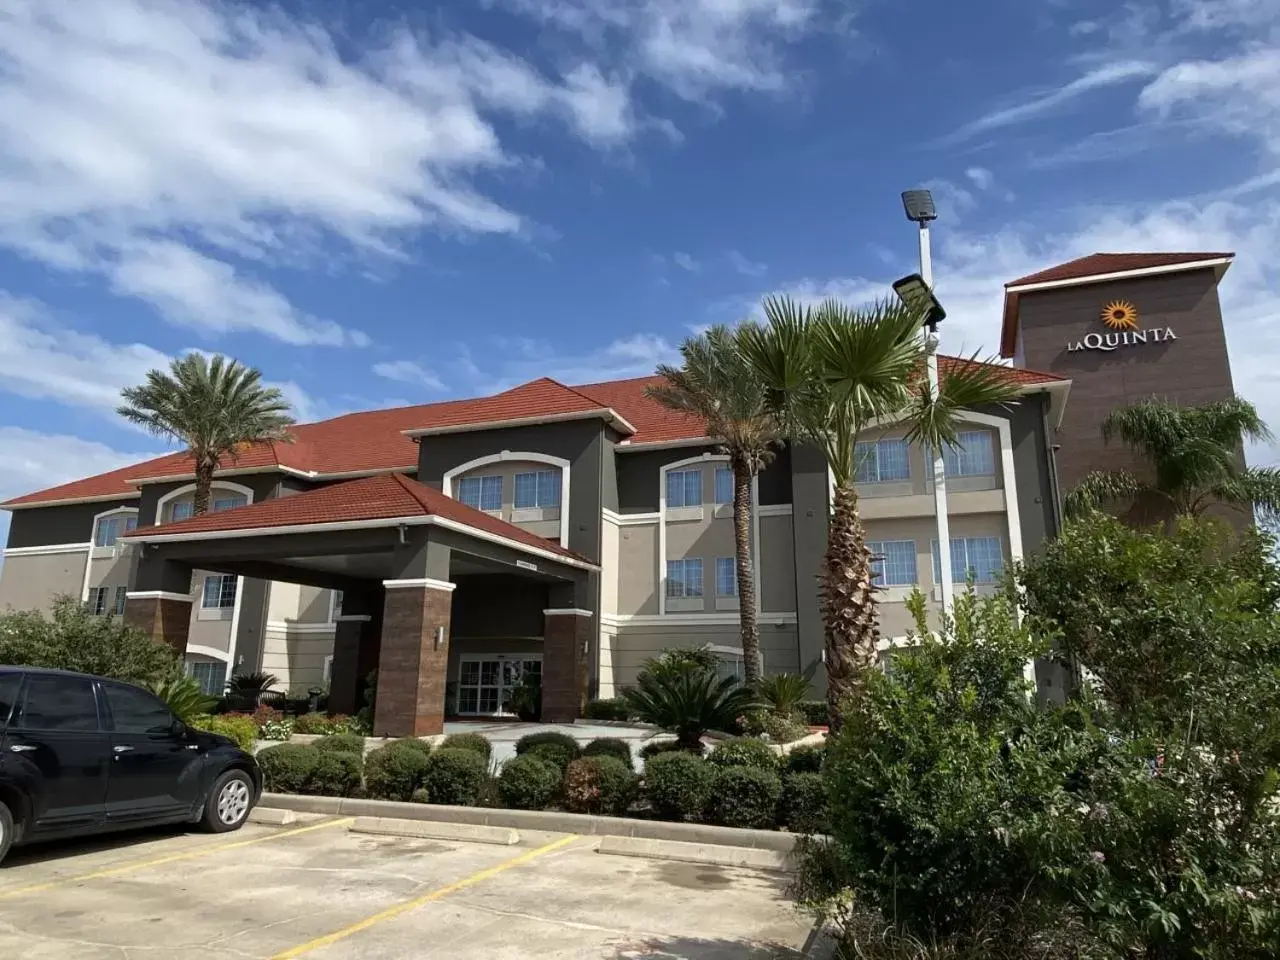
380	203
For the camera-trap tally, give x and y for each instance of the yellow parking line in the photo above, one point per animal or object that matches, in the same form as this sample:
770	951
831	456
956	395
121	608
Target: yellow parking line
400	908
171	858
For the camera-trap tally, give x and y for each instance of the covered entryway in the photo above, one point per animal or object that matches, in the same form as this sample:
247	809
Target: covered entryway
428	584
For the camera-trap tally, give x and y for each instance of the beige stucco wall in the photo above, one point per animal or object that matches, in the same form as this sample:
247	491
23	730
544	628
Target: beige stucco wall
314	604
296	658
110	567
777	573
609	574
549	523
637	569
30	582
635	643
282	601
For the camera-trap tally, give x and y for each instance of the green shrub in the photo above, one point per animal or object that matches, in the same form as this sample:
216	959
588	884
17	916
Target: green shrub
613	708
675	661
779	729
455	777
690	702
347	723
393	772
287	767
678	784
311	723
468	741
744	752
656	747
553	746
413	743
803	805
240	727
806	759
783	692
183	695
609	747
814	712
528	782
336	773
744	797
342	742
601	784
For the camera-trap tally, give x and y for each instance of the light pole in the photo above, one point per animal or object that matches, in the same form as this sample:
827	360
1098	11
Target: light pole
917	291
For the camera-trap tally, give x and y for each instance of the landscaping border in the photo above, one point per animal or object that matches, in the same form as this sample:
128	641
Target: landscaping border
551	821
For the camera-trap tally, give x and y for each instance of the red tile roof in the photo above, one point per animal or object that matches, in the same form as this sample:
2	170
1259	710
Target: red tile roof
385	497
1084	269
374	440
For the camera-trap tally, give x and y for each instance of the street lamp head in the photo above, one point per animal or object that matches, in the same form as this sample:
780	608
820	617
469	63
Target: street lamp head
917	295
919	206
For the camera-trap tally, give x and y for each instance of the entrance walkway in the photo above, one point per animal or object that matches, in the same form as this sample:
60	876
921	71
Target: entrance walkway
503	736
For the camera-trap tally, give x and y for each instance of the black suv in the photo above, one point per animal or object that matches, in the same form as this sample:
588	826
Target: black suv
82	754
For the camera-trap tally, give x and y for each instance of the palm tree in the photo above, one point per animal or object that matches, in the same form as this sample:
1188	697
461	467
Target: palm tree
832	373
716	384
1194	453
213	406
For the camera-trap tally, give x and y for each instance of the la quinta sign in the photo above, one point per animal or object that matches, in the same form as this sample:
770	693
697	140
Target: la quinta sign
1121	317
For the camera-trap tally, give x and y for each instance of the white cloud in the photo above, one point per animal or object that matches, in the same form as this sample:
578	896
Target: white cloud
167	144
1239	95
407	371
980	177
35	460
1042	103
745	266
685	262
519	359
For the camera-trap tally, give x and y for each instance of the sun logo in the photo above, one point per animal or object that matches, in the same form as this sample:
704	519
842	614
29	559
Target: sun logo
1120	315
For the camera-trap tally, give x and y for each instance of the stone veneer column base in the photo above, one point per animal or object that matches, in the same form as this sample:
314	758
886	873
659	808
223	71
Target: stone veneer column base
166	619
411	664
566	637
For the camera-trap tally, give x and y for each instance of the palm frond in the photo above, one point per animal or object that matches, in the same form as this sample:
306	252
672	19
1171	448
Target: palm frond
964	384
1101	488
1258	487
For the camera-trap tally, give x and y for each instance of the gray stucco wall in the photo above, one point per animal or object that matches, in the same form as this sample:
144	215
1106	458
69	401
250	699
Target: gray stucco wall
809	535
263	485
73	523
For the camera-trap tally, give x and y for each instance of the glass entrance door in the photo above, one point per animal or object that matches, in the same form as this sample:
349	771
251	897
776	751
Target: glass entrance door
485	682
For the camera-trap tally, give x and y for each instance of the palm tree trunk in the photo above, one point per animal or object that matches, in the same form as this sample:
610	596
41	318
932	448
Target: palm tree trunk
849	614
746	574
204	487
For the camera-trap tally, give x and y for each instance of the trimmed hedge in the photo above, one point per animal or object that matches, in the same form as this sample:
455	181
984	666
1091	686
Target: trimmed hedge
814	712
240	727
609	747
600	784
469	741
287	767
393	772
744	797
553	746
678	784
413	743
455	777
803	806
336	774
744	752
807	759
341	743
613	708
659	747
528	782
313	722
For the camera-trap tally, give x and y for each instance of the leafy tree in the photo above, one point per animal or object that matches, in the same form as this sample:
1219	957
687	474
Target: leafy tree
215	407
71	638
716	384
1194	456
689	703
833	374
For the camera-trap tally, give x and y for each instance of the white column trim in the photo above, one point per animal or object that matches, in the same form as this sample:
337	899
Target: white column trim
520	455
420	582
756	567
567	612
158	595
47	549
212	653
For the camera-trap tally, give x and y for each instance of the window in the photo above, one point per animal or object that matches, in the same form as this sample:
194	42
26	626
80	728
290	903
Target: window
219	591
726	576
122	594
724	485
684	578
981	555
974	457
337	603
210	674
880	461
483	493
64	704
893	562
541	489
136	711
9	684
684	488
228	501
182	510
97	602
110	529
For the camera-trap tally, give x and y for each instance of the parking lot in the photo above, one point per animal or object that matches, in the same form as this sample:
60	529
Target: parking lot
315	890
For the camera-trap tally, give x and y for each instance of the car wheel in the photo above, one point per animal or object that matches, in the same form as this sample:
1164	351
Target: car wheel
229	802
6	830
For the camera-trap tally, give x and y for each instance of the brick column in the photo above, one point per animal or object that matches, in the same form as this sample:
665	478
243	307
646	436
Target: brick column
163	616
566	638
414	658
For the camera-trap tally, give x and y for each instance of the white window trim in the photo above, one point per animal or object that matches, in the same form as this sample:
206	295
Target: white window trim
114	549
190	488
661	572
219	612
481	478
476	657
518	456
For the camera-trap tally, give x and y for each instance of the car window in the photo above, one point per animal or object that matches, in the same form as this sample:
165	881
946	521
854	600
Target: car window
9	684
64	704
136	711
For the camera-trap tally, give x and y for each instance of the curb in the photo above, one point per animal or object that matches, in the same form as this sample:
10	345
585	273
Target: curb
547	821
432	830
272	816
710	854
